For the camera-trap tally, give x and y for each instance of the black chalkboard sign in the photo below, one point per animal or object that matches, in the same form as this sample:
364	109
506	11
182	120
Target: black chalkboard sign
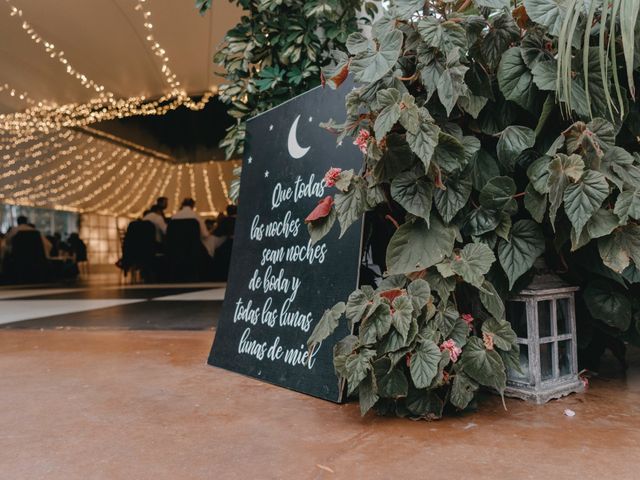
279	284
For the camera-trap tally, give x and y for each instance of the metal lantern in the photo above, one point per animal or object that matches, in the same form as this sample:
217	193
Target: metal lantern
543	317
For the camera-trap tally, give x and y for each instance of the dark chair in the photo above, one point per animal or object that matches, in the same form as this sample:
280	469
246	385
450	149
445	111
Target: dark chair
222	260
138	249
187	257
27	262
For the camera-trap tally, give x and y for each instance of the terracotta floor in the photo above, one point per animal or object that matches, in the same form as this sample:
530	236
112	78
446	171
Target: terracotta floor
135	405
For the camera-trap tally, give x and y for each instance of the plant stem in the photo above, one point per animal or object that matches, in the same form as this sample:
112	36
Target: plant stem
392	220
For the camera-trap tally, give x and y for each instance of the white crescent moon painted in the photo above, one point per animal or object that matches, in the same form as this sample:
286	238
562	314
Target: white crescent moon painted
295	150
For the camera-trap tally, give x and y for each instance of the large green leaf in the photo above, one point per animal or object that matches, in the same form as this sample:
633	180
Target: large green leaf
502	32
451	84
374	63
357	365
535	203
498	194
473	262
482	365
583	199
628	205
393	385
405	9
409	113
462	390
602	223
515	79
358	303
481	220
358	43
450	201
518	255
503	335
563	169
492	3
424	364
504	227
513	141
420	293
389	101
593	137
608	305
534	47
367	393
319	228
549	13
443	35
538	173
414	193
545	75
472	104
396	158
327	324
350	206
482	168
491	300
376	325
619	248
619	167
423	142
401	315
341	351
416	246
449	153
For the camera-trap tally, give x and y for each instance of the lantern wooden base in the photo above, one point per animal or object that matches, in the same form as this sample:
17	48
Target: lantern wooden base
547	391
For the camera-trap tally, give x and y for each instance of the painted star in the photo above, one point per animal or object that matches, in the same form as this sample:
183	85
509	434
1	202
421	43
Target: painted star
249	160
266	174
270	127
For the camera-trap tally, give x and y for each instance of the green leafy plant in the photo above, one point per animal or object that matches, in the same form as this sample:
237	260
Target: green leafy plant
275	52
486	153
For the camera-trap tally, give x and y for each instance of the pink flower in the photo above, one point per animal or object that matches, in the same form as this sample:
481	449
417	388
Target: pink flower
362	139
453	349
332	176
487	338
468	318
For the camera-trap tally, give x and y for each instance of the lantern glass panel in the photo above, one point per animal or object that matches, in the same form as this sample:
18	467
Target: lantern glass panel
517	315
562	313
546	361
564	357
525	376
544	318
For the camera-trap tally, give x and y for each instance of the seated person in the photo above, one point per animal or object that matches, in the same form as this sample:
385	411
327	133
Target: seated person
213	241
187	211
22	226
163	204
155	216
77	247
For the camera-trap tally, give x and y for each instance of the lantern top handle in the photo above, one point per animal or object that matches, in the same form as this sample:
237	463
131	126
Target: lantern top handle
545	282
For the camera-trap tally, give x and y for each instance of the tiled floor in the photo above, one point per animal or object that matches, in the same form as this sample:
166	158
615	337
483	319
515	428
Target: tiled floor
96	306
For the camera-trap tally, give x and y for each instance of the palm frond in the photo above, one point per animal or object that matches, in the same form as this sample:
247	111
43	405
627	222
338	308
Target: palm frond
629	10
617	23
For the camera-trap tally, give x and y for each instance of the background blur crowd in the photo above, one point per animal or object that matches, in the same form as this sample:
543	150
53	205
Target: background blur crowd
185	247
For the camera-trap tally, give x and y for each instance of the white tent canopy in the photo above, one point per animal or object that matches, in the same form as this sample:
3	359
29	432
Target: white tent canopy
105	43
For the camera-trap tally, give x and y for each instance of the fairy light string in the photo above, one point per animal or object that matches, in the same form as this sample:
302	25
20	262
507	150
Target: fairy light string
46	117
